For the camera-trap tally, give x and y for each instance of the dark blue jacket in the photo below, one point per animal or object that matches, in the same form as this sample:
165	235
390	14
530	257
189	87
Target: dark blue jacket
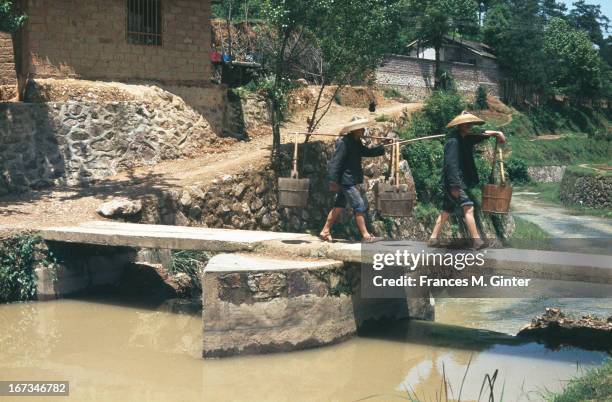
345	166
459	166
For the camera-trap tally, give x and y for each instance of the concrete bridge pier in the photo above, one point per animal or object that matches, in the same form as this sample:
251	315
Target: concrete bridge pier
258	304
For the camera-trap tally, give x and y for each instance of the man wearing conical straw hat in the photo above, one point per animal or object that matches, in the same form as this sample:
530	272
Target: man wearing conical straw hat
459	174
345	173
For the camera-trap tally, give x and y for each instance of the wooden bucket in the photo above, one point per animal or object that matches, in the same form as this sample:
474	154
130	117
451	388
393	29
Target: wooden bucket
293	191
395	200
496	197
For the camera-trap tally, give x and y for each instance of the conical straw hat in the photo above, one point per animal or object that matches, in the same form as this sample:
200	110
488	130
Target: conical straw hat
354	125
465	118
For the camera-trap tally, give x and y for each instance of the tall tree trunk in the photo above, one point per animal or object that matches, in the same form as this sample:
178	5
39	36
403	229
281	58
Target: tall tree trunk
275	109
437	69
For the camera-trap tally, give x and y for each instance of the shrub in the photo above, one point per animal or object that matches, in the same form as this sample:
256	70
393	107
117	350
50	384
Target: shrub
19	257
425	159
481	98
447	82
441	107
383	118
517	170
392	93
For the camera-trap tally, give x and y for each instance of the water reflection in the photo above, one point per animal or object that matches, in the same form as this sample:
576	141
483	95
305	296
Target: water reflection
116	351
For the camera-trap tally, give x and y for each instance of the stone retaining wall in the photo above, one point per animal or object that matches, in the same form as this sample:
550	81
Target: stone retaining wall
249	200
588	189
546	174
414	78
79	142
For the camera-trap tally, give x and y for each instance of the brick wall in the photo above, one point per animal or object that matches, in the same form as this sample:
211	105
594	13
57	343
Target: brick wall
87	39
414	78
8	76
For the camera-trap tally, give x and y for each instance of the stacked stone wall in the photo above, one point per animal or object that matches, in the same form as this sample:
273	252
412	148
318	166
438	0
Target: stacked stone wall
414	78
586	189
80	142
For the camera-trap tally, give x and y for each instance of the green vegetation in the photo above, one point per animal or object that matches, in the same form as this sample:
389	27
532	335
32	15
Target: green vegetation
10	20
19	257
516	168
481	99
566	150
383	118
392	93
430	21
577	69
587	170
528	235
595	385
190	262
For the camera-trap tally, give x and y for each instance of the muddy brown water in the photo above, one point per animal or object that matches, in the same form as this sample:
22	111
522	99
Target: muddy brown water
114	350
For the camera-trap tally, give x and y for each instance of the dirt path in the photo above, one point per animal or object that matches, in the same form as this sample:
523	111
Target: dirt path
557	221
69	206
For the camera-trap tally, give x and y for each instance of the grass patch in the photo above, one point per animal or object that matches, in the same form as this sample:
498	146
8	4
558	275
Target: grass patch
383	118
528	235
596	170
190	262
392	93
595	385
571	149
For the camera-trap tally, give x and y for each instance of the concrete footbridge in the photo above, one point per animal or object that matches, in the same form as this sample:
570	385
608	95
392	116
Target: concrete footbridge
271	291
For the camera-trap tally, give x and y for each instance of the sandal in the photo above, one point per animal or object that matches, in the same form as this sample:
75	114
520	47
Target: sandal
372	239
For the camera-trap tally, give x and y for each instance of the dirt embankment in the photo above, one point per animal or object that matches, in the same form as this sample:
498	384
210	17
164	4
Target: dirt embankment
557	329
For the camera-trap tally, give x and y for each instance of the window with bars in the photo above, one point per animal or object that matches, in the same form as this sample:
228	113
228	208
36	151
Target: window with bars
144	22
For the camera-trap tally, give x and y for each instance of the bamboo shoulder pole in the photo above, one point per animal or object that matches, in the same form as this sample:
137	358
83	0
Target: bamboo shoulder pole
429	137
340	135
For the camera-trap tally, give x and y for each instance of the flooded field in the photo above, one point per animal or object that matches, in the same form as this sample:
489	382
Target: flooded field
120	351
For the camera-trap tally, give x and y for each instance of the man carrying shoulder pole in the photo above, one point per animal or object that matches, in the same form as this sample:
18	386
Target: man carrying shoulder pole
459	174
345	173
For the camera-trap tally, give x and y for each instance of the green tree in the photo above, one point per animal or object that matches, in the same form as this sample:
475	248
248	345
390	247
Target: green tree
574	66
434	19
239	10
10	20
589	18
551	9
288	23
351	38
515	29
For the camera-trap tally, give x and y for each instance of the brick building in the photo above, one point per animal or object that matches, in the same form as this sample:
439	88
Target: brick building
8	76
470	63
166	41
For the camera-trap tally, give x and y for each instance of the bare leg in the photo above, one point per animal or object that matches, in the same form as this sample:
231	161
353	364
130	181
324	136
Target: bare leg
361	224
468	217
442	218
331	218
